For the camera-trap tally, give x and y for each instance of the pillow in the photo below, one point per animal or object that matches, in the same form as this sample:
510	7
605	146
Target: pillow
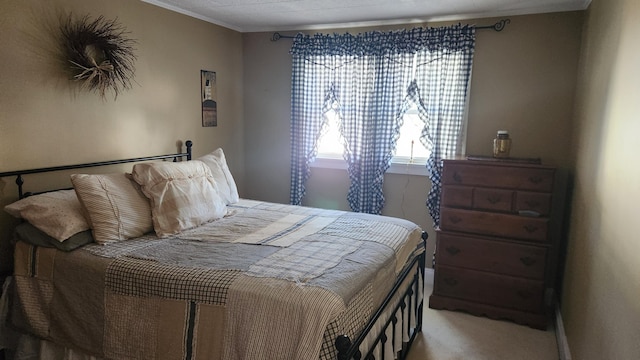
31	235
58	214
220	171
183	195
116	208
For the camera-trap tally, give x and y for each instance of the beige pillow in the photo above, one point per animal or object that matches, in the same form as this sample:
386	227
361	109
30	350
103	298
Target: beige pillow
220	171
57	214
183	195
116	207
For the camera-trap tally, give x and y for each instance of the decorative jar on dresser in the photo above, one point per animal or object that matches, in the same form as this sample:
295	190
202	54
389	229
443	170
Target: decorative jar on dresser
497	245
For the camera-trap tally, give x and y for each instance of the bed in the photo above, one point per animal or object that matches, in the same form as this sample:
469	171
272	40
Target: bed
171	264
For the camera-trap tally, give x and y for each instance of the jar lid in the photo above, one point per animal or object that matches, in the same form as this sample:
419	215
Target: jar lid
503	132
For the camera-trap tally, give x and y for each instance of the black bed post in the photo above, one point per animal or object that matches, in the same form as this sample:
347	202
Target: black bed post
189	144
422	272
20	182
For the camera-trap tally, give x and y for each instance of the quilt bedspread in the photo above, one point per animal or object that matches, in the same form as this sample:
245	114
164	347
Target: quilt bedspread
268	281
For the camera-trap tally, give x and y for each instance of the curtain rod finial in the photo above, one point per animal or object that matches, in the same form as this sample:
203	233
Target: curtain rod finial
501	24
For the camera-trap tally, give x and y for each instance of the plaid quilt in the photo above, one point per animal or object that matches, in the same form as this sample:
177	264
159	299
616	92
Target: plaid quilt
268	281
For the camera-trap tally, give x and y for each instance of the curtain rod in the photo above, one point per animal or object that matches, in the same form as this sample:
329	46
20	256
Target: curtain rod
499	26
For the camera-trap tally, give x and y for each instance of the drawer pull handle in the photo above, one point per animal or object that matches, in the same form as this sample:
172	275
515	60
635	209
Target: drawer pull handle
530	228
524	294
494	199
450	281
527	261
535	179
452	250
456	177
455	219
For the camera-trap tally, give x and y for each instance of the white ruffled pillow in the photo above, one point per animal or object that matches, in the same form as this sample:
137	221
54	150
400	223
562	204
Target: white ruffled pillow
183	195
226	185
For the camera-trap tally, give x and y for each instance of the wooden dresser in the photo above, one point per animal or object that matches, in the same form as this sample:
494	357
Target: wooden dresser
497	245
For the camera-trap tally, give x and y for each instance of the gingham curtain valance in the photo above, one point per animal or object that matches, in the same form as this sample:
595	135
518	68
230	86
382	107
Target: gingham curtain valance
453	39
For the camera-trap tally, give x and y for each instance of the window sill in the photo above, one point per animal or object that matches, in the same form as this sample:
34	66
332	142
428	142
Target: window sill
403	168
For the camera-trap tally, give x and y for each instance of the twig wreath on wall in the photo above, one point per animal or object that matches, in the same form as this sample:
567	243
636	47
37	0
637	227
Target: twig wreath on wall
99	54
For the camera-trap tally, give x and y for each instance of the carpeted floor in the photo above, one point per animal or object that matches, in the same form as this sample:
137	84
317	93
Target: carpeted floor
449	335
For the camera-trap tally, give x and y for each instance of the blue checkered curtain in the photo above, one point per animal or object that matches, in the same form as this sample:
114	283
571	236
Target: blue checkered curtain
364	77
442	76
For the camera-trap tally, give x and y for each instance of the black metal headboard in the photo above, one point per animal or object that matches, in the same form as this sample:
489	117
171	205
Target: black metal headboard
20	173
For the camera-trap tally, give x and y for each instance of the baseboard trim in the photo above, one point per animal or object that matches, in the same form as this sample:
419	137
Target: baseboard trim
561	338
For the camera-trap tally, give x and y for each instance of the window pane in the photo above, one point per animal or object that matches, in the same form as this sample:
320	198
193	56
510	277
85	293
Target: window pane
330	144
409	145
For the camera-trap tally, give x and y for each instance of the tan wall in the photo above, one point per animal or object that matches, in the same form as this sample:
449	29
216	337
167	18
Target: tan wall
601	307
46	121
523	81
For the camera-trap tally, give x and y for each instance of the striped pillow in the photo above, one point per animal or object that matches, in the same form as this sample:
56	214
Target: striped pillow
116	208
183	195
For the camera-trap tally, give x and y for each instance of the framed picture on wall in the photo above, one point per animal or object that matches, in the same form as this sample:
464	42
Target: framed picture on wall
209	98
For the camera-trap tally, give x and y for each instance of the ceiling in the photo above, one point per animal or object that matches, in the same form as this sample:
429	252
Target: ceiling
278	15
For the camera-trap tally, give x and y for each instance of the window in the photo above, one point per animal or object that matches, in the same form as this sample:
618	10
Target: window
409	148
372	74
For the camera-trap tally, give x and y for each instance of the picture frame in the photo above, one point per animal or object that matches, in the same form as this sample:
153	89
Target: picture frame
209	99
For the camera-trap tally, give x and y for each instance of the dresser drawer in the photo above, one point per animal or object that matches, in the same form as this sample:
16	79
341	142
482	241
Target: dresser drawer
520	178
494	224
491	255
468	197
457	196
493	199
538	202
487	288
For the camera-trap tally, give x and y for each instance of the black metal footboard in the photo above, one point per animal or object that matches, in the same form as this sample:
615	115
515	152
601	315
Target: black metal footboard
405	298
